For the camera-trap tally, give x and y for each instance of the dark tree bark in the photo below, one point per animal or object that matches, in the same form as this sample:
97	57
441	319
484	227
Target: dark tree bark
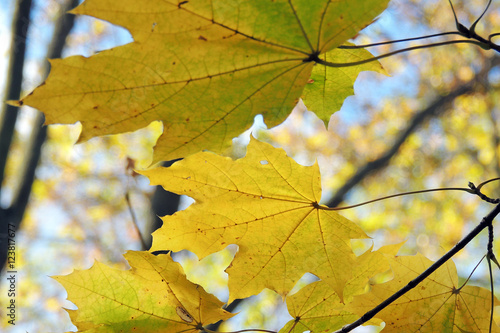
20	27
11	217
162	203
435	109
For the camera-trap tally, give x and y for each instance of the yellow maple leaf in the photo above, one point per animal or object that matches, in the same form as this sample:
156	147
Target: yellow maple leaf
205	68
437	304
317	308
329	86
154	296
267	205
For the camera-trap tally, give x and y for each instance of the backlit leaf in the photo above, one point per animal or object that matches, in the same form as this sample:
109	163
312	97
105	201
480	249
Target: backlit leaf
154	296
204	68
317	308
329	86
267	205
435	305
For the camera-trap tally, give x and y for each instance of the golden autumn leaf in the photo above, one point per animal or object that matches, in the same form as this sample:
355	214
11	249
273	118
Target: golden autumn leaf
204	68
317	308
266	204
329	86
154	296
437	304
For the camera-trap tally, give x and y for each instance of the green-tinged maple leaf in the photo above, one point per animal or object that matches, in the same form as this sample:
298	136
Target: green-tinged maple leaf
368	265
154	296
435	305
205	68
317	308
329	86
267	205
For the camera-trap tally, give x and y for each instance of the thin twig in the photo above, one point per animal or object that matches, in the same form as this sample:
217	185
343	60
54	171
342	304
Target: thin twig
134	221
491	257
477	191
434	109
471	32
486	221
486	182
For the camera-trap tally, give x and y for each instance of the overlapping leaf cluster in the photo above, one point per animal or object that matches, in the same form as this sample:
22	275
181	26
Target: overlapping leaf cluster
205	69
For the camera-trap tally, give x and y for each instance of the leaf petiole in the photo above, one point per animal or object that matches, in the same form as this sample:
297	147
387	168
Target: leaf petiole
470	275
398	40
472	190
487	220
240	331
473	26
365	61
492	293
400	195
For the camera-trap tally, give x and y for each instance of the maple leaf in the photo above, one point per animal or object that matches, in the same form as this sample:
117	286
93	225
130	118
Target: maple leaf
267	205
317	308
437	304
151	297
204	68
329	86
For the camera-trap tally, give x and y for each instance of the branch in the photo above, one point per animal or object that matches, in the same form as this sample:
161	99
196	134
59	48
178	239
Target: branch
20	27
435	109
14	214
487	221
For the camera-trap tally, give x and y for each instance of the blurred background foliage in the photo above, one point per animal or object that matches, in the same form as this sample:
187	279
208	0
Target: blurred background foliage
433	123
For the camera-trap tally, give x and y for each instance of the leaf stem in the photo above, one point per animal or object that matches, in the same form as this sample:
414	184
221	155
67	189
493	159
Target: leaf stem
294	324
473	26
477	191
470	275
398	40
400	195
492	294
245	330
486	221
486	182
472	190
134	221
490	255
361	62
